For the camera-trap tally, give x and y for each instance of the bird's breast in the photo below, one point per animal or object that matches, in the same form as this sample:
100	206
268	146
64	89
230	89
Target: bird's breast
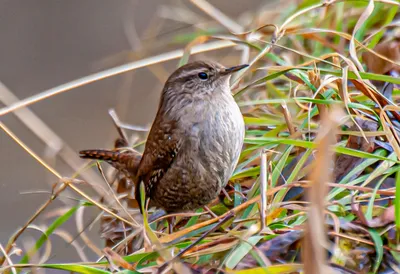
211	134
215	137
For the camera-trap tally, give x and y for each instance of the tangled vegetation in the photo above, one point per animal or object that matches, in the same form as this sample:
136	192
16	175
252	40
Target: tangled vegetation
315	188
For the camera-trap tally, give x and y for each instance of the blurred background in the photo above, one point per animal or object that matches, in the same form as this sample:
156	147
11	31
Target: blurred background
46	43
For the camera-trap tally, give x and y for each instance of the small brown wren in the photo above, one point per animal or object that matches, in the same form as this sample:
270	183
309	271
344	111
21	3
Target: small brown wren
194	143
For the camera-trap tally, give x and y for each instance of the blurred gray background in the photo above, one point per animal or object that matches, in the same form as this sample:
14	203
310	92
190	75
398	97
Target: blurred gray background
45	43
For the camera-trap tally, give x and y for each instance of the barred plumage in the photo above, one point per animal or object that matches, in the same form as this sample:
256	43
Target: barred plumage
194	143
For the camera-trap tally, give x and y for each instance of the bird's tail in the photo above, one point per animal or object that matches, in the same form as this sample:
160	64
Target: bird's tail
100	154
123	160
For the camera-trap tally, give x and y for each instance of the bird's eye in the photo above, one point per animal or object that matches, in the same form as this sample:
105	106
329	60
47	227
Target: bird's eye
203	76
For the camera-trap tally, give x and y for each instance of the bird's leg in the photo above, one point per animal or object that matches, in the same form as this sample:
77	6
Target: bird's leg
226	218
222	196
160	214
227	195
206	208
170	220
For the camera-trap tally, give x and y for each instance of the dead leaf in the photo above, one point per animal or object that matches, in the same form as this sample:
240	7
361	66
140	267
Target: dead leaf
389	49
385	218
116	260
346	163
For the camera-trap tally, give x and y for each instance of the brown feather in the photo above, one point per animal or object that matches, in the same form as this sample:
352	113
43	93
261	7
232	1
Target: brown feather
162	146
126	161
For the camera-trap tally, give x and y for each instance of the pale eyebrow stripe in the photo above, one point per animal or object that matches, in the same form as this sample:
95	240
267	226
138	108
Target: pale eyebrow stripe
192	72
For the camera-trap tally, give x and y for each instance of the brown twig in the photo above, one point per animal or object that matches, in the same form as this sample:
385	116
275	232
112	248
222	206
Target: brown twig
37	213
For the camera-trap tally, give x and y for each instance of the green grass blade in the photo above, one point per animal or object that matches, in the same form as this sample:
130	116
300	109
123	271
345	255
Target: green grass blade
44	237
397	203
76	268
378	248
277	172
242	250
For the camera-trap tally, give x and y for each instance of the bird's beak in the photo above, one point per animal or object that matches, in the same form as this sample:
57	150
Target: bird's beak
228	71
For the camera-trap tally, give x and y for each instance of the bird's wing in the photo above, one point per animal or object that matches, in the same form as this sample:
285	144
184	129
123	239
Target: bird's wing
162	147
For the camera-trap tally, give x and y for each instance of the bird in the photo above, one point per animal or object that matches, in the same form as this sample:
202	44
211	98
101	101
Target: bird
194	142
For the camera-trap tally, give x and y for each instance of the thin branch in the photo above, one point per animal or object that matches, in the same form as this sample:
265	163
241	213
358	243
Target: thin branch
112	72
